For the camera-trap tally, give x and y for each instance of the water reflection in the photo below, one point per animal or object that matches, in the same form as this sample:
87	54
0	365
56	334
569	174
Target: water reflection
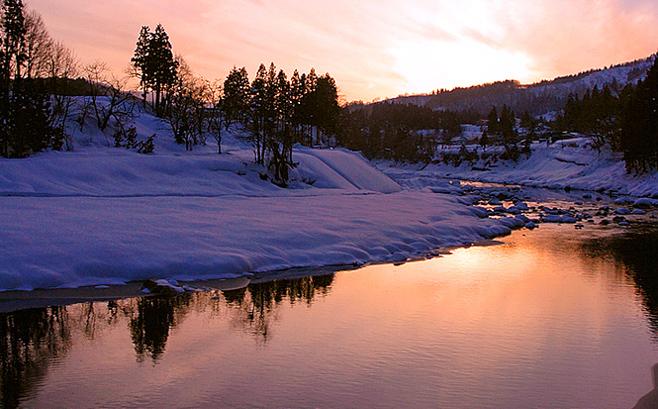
635	254
32	339
650	400
257	306
29	341
152	319
531	323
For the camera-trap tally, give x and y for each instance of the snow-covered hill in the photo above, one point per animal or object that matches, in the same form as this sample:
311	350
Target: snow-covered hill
539	98
565	164
105	215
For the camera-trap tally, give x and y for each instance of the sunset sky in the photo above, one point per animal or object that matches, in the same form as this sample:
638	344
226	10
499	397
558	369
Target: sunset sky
374	48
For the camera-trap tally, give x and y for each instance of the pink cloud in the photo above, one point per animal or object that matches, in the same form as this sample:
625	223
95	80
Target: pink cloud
353	39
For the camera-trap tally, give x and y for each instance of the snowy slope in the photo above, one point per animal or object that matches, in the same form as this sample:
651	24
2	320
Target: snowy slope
70	242
355	169
116	172
564	164
96	168
104	215
542	98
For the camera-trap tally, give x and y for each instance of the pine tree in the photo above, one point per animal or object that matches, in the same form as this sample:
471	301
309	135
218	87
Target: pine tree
13	33
507	125
280	146
308	105
25	123
155	65
492	121
140	61
639	135
296	95
164	68
236	99
326	105
258	113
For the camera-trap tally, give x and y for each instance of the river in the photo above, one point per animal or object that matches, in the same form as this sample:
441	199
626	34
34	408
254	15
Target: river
551	318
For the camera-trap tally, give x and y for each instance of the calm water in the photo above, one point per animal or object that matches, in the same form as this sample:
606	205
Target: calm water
547	320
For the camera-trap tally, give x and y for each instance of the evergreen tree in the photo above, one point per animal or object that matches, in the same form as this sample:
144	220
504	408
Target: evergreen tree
25	125
165	66
308	105
13	33
236	99
296	95
639	135
507	125
492	121
280	146
527	121
258	113
141	61
155	65
326	108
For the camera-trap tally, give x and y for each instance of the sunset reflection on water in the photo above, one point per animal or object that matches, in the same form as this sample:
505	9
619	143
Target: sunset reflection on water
543	320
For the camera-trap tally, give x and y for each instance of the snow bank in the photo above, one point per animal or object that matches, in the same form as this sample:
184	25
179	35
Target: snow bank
564	164
355	169
102	215
74	241
95	168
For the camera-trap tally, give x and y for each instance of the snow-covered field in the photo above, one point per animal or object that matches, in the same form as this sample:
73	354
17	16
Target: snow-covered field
570	164
103	215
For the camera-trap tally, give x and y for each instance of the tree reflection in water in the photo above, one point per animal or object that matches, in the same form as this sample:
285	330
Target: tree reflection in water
257	305
635	254
29	341
151	319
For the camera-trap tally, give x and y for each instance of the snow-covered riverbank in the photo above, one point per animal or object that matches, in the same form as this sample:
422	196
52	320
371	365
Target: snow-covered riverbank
571	164
51	242
102	215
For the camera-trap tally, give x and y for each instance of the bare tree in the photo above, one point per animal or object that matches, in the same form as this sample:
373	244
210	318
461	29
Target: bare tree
215	114
187	106
108	99
61	67
37	46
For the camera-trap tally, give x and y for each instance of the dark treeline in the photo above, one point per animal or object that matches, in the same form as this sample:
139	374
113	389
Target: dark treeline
639	124
279	112
275	110
399	132
626	120
597	112
537	99
481	98
633	75
31	63
39	78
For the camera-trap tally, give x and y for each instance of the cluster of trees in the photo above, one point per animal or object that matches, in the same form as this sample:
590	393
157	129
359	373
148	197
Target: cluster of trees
279	112
155	66
30	65
597	112
626	120
400	132
501	127
276	112
639	124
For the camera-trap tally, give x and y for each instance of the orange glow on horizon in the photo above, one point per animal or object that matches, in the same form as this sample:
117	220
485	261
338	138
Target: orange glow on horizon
374	49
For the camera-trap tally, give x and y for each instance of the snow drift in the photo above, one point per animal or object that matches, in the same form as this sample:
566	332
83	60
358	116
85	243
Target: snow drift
103	215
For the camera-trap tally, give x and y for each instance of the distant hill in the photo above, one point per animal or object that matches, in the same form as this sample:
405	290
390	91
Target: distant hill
539	98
